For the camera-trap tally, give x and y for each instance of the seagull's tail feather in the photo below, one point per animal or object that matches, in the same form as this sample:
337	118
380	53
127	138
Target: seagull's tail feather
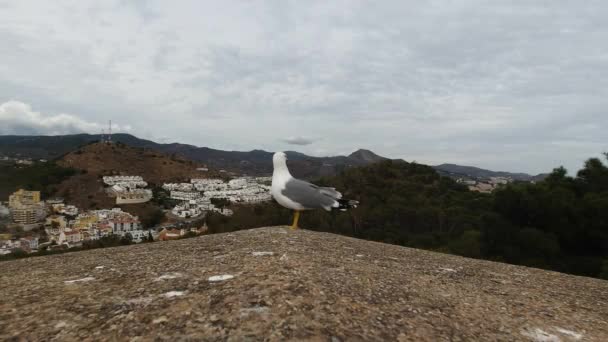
345	204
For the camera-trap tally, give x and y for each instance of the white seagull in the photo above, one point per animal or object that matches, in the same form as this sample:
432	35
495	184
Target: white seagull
299	195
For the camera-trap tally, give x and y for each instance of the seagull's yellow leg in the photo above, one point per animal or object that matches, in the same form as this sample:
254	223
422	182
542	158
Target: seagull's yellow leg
296	217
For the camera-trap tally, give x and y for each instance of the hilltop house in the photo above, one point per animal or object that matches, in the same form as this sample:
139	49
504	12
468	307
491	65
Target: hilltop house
133	196
125	189
187	209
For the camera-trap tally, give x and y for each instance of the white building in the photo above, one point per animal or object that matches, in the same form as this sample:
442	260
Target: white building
500	180
245	190
29	243
178	186
237	183
238	190
128	181
124	224
204	204
466	181
187	209
185	195
125	189
139	235
134	196
203	184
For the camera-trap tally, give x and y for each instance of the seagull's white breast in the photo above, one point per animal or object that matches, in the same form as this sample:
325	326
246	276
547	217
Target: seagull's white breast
279	182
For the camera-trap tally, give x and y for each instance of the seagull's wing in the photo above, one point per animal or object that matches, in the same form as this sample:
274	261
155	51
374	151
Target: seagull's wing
311	196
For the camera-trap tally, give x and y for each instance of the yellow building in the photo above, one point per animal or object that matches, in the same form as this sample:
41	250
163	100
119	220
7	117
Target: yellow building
26	207
23	197
28	214
85	221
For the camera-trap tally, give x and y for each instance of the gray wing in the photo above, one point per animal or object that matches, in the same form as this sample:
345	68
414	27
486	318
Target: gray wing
311	196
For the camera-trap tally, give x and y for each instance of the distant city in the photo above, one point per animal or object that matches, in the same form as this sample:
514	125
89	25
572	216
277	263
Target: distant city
55	225
485	185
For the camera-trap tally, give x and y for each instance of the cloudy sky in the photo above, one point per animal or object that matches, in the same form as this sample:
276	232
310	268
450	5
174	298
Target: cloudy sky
509	85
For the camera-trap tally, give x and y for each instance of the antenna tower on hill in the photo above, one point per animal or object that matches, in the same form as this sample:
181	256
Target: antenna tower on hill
110	132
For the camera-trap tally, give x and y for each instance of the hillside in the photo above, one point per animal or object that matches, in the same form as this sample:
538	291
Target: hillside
154	167
86	189
313	286
477	173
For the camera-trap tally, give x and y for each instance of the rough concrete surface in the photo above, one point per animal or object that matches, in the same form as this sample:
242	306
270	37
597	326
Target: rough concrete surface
277	284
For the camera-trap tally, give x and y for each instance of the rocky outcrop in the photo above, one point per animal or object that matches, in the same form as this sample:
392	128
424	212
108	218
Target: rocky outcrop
278	284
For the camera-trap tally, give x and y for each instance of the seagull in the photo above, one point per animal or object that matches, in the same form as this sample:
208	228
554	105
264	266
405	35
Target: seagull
299	195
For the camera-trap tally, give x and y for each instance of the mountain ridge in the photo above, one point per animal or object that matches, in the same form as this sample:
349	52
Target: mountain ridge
479	173
254	162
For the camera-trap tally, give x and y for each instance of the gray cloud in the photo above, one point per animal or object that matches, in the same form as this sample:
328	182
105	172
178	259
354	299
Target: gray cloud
301	141
502	85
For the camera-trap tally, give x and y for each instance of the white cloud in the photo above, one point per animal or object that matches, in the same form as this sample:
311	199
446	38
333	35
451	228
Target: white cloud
19	118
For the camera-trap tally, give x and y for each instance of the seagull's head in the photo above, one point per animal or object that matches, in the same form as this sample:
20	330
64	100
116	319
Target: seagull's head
279	160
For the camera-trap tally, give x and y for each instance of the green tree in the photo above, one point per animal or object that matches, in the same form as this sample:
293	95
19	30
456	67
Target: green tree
153	219
604	271
468	244
220	202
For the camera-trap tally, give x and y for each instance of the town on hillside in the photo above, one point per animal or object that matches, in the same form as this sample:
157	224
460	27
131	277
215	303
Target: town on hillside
484	185
35	224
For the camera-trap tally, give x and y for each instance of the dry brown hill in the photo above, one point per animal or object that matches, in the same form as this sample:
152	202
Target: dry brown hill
86	190
292	285
120	159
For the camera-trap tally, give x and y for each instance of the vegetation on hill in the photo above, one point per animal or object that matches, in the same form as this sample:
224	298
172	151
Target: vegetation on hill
55	146
560	223
43	176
